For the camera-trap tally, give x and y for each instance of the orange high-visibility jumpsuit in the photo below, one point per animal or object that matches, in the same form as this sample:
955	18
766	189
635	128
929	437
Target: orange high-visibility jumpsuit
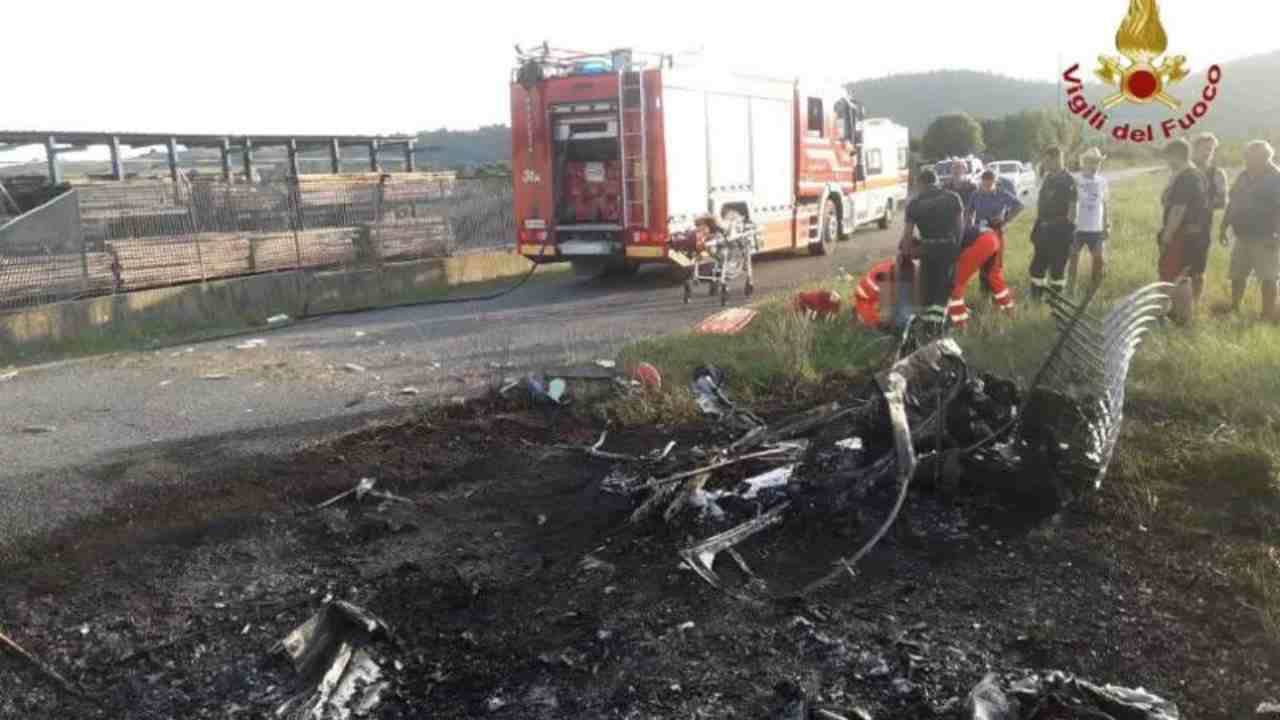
983	254
866	298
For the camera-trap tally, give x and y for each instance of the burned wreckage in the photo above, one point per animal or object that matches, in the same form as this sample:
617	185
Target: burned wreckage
849	463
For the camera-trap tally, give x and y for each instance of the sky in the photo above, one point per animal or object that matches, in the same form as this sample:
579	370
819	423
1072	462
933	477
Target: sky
381	66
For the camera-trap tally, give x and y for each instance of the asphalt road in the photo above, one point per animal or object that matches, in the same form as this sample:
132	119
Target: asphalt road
81	434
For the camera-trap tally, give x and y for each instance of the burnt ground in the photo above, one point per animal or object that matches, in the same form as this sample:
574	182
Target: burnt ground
168	605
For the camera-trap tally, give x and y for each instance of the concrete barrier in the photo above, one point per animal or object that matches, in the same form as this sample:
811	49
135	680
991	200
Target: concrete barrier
148	318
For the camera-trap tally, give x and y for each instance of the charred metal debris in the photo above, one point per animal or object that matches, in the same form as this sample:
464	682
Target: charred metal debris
928	417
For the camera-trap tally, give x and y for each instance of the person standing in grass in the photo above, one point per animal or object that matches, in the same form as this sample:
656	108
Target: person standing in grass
1202	156
1185	201
1054	231
1253	215
1093	222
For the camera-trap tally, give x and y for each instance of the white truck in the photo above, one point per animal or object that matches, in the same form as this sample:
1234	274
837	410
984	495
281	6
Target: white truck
1021	175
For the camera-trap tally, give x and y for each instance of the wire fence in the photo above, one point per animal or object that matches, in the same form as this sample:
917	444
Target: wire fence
115	237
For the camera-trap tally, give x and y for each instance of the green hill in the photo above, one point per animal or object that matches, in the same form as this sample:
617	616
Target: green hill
1245	107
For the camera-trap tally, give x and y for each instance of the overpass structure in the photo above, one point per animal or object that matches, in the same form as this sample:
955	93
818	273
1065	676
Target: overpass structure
56	143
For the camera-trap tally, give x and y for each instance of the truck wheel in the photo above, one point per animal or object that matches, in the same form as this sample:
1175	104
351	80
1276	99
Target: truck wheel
626	269
887	219
827	232
588	269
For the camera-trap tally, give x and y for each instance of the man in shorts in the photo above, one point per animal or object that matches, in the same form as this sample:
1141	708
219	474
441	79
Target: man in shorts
1253	214
1093	223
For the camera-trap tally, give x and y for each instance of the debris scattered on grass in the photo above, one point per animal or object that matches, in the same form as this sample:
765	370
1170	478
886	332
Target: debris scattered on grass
778	477
726	322
817	304
277	319
215	376
251	344
989	701
354	368
331	650
555	390
591	562
362	489
850	444
648	375
410	391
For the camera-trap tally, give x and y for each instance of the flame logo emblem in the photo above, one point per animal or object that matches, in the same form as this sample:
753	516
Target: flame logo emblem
1141	40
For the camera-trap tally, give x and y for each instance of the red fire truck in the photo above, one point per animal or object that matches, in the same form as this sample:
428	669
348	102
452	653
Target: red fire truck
613	156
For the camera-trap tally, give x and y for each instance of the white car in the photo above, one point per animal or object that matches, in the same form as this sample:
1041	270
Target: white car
973	168
1020	174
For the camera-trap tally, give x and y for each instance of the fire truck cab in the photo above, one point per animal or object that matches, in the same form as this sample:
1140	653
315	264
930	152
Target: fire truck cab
615	155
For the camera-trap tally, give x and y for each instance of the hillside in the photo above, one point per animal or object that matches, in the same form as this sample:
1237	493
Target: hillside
1245	107
916	99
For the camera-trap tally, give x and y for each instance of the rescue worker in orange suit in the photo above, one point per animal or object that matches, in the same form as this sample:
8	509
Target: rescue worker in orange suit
980	253
866	298
939	215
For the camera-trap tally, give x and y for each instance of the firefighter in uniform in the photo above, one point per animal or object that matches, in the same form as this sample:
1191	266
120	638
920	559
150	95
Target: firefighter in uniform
939	215
1054	231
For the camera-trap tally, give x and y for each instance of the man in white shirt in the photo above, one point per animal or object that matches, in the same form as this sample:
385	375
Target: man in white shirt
1093	222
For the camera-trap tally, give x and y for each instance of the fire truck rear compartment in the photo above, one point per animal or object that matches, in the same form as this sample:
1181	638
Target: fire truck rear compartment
588	185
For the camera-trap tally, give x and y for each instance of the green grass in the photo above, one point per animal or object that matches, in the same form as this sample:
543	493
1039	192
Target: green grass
1229	367
1201	440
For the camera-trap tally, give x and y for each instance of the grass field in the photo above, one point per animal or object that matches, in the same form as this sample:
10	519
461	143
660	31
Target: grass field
1200	440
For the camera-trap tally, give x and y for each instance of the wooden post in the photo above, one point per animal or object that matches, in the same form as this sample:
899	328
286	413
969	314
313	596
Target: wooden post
173	160
55	167
84	251
226	161
117	163
293	158
195	237
335	156
247	152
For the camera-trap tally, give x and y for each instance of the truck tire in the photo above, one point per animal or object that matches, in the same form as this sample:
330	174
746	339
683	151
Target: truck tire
626	269
887	219
828	229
